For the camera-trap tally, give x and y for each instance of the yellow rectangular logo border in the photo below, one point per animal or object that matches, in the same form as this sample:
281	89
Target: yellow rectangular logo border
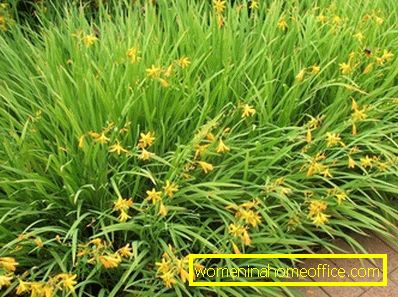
382	283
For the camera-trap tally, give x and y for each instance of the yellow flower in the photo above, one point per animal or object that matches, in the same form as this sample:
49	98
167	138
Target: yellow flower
380	60
206	167
38	242
8	263
235	248
219	6
125	128
183	62
368	68
345	68
250	204
285	190
200	149
153	71
102	138
89	40
122	204
108	127
316	207
315	122
315	167
293	222
382	166
153	196
308	136
168	279
97	242
282	24
210	136
94	135
169	71
245	238
235	230
164	83
337	20
248	111
341	196
170	188
354	150
315	69
300	75
126	251
182	265
254	4
354	104
378	20
132	53
145	155
249	216
146	140
22	288
164	266
37	289
68	281
222	148
359	115
162	210
240	231
332	139
123	216
316	212
351	163
320	219
48	291
322	18
5	281
117	148
359	36
366	162
326	172
220	21
81	141
387	55
110	261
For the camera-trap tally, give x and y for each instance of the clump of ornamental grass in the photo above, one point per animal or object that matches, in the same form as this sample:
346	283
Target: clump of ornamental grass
151	132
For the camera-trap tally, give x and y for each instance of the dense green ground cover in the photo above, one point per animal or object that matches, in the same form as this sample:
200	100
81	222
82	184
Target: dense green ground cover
155	131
